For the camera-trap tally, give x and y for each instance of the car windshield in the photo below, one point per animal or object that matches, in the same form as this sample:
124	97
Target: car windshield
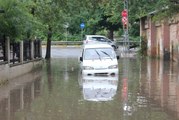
99	53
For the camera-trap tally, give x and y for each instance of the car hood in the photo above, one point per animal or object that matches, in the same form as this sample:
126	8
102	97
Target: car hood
103	63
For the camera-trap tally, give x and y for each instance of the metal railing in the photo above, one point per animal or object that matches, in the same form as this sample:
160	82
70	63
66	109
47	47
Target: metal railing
19	52
2	50
81	42
37	48
15	52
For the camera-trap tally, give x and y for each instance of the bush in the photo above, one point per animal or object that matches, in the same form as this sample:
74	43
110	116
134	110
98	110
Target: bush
143	50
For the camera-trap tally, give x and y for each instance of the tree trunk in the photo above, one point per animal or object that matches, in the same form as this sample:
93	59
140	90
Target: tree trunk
48	49
110	34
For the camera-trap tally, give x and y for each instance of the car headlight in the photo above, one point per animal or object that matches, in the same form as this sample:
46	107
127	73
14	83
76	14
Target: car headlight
113	67
88	68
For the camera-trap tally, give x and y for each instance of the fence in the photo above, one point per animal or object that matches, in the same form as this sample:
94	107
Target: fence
131	43
2	50
19	52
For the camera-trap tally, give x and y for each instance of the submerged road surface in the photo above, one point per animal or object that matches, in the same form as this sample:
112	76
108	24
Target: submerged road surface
144	90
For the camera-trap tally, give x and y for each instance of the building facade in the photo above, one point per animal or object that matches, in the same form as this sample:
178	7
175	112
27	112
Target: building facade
162	37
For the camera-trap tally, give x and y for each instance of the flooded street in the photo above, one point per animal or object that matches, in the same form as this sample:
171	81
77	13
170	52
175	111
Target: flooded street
145	89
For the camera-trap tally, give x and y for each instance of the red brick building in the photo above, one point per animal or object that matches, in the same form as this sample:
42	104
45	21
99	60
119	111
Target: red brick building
162	37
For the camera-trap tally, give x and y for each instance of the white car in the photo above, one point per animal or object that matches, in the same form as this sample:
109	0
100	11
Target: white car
99	59
99	38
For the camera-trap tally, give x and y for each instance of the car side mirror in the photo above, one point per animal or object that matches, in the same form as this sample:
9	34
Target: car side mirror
117	57
81	59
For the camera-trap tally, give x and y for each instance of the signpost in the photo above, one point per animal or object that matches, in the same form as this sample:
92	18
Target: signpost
82	26
66	25
125	22
125	19
126	48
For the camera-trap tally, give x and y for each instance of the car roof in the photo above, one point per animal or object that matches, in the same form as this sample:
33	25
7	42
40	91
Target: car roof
97	45
95	36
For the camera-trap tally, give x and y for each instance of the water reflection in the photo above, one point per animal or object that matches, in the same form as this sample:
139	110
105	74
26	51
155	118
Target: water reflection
99	88
159	82
49	73
18	94
149	89
144	90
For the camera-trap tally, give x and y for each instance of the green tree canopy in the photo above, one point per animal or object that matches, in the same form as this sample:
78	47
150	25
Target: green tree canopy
28	18
16	20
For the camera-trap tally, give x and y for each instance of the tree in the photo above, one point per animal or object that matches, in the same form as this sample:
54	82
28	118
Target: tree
111	16
166	9
15	20
49	12
97	14
163	8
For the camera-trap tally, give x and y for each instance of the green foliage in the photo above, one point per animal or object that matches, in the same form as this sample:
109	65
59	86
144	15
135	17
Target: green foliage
49	14
134	29
16	21
58	37
76	37
63	37
163	8
143	50
31	18
166	9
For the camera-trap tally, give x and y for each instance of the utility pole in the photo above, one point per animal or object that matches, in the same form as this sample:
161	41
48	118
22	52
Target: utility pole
125	77
125	25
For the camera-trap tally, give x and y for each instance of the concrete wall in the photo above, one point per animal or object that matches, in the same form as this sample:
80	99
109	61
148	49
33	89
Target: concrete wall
10	72
4	73
162	37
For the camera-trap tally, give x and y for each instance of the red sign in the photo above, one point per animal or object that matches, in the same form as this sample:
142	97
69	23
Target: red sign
124	13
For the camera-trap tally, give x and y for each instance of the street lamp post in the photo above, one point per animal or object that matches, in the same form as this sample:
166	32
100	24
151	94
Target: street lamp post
66	25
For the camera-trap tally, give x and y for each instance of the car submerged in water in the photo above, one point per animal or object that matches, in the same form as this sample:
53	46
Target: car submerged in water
98	59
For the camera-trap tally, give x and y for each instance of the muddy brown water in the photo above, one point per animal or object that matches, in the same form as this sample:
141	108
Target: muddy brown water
144	89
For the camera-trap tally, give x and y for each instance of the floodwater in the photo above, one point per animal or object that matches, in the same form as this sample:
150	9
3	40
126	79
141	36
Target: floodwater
145	89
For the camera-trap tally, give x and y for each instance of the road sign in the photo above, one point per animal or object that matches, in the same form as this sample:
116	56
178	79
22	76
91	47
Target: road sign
82	25
124	20
124	13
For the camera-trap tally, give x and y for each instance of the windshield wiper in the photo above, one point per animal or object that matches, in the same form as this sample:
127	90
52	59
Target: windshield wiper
98	54
107	55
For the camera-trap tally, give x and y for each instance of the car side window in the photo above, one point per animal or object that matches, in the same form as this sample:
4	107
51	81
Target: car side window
94	38
103	39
